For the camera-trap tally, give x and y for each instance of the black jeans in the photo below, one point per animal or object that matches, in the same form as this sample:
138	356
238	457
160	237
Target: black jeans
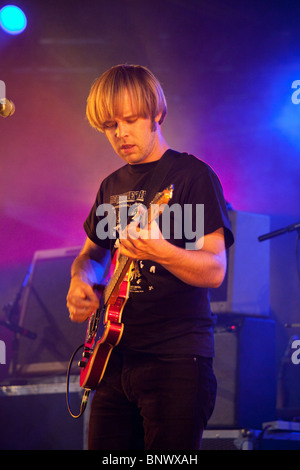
152	403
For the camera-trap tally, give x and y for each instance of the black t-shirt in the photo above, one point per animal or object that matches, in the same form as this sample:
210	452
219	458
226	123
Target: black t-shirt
164	315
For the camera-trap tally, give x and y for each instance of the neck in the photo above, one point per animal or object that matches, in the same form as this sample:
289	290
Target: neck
160	146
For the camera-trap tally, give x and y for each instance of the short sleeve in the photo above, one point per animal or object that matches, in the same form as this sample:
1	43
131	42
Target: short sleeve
91	222
205	188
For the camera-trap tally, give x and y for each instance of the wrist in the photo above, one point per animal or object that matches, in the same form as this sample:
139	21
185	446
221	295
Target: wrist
80	277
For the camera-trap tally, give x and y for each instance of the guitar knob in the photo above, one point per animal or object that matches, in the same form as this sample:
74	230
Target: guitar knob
81	363
86	354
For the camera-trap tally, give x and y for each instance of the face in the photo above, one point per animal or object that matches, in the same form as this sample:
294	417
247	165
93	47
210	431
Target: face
132	137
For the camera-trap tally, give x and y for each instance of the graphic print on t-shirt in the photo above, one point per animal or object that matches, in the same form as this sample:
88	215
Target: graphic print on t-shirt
126	206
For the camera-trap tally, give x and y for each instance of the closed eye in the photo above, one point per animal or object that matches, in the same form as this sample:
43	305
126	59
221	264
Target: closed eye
109	124
131	119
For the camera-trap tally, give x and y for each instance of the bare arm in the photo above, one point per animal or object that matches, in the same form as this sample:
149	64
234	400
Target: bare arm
89	268
203	267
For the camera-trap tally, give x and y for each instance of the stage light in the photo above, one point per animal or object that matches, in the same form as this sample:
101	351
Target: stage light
12	19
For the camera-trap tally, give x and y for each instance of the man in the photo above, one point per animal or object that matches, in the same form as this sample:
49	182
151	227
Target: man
158	390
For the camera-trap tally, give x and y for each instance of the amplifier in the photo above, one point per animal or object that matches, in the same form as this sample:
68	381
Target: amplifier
44	313
245	368
35	416
246	287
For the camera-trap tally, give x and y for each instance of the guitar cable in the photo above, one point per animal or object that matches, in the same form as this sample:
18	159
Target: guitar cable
86	392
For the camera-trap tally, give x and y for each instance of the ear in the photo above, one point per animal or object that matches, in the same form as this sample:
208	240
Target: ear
157	117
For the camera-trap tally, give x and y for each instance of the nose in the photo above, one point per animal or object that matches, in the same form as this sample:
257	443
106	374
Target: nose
121	130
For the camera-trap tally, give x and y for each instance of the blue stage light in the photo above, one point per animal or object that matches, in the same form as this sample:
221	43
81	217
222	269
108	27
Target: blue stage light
12	19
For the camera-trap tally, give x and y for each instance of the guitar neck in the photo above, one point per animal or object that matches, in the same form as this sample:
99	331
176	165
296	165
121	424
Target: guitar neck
122	267
117	278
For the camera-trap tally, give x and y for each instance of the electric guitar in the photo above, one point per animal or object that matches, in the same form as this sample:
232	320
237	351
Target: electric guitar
105	327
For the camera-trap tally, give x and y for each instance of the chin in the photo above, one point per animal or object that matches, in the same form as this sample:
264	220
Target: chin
133	160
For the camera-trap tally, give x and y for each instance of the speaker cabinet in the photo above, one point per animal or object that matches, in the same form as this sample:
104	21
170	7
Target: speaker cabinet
246	287
44	314
35	417
245	368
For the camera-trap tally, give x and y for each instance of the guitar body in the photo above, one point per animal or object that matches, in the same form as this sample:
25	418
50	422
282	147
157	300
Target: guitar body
100	343
105	327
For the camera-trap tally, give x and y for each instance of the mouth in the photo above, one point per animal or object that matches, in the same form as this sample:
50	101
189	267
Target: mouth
127	148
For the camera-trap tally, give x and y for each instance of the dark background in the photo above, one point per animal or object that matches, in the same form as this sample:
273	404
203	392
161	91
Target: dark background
227	69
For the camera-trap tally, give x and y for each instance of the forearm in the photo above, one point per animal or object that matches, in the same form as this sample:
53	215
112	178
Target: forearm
203	267
199	268
92	264
87	269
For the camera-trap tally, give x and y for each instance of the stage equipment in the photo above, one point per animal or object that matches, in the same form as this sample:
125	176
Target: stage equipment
246	287
281	231
45	316
7	107
249	439
35	417
245	368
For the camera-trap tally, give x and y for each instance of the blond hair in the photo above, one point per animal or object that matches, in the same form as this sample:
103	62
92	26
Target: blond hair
105	101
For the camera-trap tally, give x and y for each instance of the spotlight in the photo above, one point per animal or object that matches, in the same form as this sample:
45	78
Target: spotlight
12	19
